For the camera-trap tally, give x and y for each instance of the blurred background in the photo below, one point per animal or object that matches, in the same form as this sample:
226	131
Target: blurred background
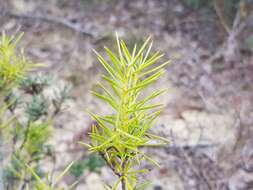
209	107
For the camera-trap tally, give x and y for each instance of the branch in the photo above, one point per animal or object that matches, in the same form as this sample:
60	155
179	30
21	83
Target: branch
222	19
111	166
50	19
123	181
28	128
237	28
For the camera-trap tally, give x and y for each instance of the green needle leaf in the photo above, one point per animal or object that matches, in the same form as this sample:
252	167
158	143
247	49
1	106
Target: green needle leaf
119	135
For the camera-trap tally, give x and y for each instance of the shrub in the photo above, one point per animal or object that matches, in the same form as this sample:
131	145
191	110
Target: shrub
13	64
26	122
119	136
93	164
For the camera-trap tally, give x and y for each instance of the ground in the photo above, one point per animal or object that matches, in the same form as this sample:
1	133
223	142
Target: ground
208	114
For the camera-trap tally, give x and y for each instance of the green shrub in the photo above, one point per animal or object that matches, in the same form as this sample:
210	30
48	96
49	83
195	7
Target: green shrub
93	163
119	136
13	64
26	122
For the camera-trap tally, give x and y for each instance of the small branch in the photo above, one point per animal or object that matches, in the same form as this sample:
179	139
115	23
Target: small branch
26	135
218	9
50	19
110	165
123	181
237	28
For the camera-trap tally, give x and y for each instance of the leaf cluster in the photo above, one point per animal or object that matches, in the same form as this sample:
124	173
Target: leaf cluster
93	163
118	137
47	183
26	114
13	63
35	84
40	182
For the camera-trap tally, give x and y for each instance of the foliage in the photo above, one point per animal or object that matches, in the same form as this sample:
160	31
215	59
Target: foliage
37	107
61	95
34	84
26	122
13	68
29	139
118	137
93	163
13	64
46	184
38	136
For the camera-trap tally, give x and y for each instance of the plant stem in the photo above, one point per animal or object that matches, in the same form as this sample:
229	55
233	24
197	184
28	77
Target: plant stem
26	135
122	175
123	181
111	166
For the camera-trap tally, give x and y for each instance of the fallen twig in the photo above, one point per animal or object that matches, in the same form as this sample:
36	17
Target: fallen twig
48	18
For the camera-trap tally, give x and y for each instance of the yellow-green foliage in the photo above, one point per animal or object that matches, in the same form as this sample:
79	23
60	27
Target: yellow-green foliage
46	184
118	137
27	133
13	64
39	134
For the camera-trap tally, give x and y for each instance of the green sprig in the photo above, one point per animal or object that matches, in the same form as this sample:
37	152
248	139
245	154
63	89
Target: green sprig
119	136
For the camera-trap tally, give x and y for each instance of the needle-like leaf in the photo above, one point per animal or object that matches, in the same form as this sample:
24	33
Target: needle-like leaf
118	136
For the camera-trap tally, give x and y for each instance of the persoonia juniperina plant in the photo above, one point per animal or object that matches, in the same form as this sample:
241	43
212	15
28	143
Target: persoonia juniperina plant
26	119
119	137
13	64
13	68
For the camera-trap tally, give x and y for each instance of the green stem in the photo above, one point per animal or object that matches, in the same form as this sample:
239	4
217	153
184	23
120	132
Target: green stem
26	135
123	181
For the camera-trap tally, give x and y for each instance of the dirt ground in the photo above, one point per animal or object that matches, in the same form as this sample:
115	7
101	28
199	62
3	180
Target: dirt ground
209	107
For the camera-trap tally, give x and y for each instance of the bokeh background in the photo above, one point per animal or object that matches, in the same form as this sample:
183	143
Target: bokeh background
209	108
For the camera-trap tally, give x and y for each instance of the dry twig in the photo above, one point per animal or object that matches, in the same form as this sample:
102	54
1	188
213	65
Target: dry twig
230	44
51	19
